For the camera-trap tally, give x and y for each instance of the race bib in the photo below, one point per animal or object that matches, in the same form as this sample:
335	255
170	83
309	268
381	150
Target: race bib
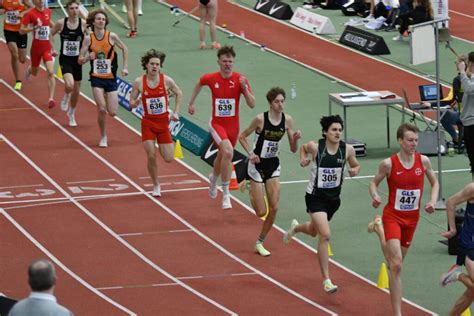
102	66
156	106
269	149
329	177
225	107
12	17
71	48
407	200
42	33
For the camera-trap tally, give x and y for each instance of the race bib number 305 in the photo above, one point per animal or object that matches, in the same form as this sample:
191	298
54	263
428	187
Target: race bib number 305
71	48
407	200
12	17
269	149
329	177
156	106
42	33
225	107
102	66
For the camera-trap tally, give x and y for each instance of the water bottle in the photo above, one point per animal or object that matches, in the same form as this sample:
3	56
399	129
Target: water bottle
293	91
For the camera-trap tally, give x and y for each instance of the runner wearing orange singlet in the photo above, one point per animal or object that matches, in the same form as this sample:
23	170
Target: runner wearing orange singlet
153	87
16	42
38	21
226	87
405	173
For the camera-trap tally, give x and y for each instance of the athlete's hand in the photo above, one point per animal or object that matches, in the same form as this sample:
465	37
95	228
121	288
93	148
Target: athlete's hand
449	234
429	207
297	135
54	53
254	158
191	109
39	23
92	56
376	201
352	172
124	71
243	82
175	117
305	162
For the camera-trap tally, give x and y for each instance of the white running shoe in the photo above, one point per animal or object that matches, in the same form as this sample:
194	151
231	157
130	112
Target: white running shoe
291	232
72	118
226	202
261	250
156	191
103	142
124	8
398	38
212	186
451	276
65	102
140	12
329	287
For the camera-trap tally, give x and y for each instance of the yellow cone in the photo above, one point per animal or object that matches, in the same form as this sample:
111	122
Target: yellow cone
178	151
467	312
382	282
330	254
59	73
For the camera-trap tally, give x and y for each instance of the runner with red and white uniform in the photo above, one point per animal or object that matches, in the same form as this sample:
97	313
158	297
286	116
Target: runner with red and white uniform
153	87
226	87
16	42
405	173
38	21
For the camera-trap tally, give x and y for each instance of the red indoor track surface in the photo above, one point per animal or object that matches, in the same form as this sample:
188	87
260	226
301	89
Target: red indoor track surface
85	207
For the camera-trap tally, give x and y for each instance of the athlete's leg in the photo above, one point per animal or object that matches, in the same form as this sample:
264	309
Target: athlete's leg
99	98
132	14
202	26
150	149
395	253
76	90
112	102
167	151
272	187
51	82
257	198
320	220
223	162
68	82
463	302
14	60
211	16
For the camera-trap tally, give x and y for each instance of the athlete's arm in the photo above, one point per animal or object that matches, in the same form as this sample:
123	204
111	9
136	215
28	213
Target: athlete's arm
84	57
292	135
26	25
430	206
249	98
352	160
310	148
58	26
118	42
466	194
384	170
136	90
255	125
194	94
178	94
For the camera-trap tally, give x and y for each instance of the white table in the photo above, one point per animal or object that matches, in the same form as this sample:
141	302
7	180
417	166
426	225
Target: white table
371	98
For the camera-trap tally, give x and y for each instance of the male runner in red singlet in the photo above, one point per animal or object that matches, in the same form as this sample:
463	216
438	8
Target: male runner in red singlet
16	42
153	87
38	21
226	87
405	173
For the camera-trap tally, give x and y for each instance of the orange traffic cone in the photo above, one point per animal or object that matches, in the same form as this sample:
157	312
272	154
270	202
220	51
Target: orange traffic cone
233	185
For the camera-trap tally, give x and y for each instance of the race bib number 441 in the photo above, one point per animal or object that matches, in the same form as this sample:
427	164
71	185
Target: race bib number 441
407	200
225	107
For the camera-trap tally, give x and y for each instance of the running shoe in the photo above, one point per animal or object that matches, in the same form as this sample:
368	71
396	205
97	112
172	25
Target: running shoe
65	103
216	45
202	45
451	276
398	38
226	202
261	250
212	186
124	8
132	34
377	221
156	191
140	12
103	142
51	104
329	287
18	86
290	232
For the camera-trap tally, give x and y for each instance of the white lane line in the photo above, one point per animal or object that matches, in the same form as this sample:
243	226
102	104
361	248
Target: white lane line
156	232
167	209
63	266
166	176
23	186
463	14
93	217
91	181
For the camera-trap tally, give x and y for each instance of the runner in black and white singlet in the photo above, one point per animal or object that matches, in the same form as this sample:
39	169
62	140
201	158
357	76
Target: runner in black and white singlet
264	164
328	158
71	30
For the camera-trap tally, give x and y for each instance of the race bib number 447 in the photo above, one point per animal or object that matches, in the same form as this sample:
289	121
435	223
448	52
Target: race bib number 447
407	200
225	107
